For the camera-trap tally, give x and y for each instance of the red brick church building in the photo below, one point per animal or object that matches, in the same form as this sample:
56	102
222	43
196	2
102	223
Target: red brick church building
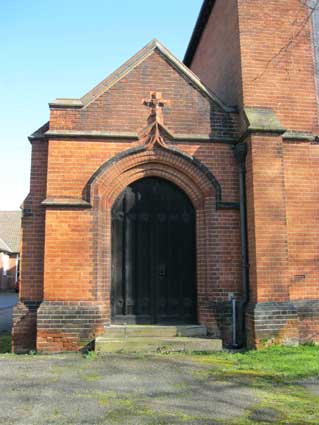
182	193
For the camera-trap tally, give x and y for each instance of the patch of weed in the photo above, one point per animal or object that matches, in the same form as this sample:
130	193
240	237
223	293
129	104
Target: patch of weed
5	343
90	355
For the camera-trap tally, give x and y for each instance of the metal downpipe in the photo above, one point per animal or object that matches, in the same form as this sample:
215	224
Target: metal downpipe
240	153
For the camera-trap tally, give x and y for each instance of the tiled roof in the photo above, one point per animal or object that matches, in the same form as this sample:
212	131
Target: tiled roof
4	246
10	231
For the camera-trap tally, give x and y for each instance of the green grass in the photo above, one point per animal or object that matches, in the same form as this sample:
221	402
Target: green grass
90	355
274	372
276	363
5	343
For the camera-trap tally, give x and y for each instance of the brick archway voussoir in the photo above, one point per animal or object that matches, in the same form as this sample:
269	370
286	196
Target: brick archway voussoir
161	163
153	170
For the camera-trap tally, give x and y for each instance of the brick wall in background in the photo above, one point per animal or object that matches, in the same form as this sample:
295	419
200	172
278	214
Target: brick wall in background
277	60
217	59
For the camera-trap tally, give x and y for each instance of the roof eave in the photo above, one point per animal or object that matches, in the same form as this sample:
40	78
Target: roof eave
39	134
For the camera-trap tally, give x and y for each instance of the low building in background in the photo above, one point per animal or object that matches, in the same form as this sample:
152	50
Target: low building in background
10	237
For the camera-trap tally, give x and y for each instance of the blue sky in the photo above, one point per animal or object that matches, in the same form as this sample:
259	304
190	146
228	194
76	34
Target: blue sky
63	48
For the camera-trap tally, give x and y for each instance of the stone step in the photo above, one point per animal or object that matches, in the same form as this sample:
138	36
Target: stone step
156	345
128	331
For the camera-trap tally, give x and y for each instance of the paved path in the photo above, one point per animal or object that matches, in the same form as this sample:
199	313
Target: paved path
128	390
7	301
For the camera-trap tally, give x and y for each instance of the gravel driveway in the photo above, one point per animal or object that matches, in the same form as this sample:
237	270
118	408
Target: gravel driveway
72	389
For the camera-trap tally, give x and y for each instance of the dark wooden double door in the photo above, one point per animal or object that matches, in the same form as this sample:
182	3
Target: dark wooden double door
153	254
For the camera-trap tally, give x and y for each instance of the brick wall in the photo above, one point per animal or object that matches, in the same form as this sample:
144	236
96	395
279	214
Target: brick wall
31	287
267	210
301	181
277	60
68	326
272	56
71	234
68	255
32	254
188	111
217	59
282	192
257	53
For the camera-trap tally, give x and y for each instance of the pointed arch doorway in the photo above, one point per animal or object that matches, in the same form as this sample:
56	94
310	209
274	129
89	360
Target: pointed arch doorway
153	255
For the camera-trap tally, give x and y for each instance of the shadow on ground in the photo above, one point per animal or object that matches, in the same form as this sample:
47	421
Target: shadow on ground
71	389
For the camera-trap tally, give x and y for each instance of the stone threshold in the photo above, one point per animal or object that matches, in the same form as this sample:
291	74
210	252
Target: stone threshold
157	345
125	331
156	339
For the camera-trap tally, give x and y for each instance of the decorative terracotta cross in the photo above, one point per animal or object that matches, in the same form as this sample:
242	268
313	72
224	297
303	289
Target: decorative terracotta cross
156	103
156	121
